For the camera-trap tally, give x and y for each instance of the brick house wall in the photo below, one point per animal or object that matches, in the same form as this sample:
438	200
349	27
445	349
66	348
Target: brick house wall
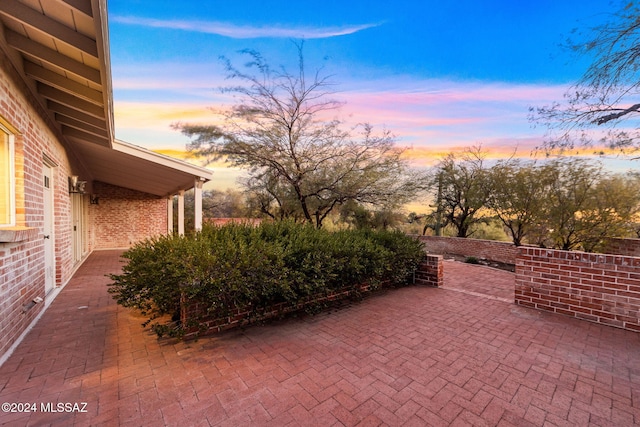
483	249
596	287
618	246
123	217
22	261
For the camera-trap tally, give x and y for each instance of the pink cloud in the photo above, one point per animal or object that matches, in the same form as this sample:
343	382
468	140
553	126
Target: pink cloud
420	113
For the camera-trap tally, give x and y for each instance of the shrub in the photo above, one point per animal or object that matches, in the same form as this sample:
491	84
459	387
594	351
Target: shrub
221	270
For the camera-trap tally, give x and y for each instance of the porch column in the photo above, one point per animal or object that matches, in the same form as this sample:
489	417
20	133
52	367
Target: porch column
198	204
181	212
170	214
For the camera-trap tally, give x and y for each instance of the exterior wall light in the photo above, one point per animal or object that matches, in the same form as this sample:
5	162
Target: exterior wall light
76	186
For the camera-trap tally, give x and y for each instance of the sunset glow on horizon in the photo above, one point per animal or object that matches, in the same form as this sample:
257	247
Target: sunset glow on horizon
440	77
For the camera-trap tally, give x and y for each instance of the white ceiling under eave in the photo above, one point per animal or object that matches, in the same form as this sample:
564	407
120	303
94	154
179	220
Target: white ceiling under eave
133	167
61	50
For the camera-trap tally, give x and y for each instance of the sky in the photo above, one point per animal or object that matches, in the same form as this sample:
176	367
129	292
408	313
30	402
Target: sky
440	75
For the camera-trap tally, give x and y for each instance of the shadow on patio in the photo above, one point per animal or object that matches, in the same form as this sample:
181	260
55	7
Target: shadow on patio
412	356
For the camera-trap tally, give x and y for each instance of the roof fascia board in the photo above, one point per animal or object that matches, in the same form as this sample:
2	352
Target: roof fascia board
101	20
160	159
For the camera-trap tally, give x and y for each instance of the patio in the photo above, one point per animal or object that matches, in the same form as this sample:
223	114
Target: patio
458	355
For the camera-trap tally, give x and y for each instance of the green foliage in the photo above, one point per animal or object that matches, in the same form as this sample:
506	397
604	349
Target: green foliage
472	260
236	266
490	229
463	190
565	203
518	196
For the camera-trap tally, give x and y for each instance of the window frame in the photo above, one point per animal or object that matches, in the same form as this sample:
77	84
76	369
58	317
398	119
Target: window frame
12	178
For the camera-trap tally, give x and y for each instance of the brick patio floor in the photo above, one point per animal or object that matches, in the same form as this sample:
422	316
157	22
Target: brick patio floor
413	356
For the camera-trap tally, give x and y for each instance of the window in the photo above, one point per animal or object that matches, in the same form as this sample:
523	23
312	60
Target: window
7	195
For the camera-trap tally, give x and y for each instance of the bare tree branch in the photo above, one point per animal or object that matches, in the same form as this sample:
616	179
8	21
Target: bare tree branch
300	164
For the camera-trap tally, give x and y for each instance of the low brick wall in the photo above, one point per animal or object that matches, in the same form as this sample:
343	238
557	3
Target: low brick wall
490	250
430	272
618	246
241	315
595	287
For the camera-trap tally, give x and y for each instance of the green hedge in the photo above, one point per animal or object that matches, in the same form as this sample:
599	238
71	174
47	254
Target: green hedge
223	269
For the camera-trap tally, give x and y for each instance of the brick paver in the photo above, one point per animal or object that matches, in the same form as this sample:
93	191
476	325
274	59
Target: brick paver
412	356
479	280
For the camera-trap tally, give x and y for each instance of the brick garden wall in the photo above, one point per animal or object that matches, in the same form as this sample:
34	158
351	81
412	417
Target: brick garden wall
430	272
627	247
595	287
123	217
483	249
22	261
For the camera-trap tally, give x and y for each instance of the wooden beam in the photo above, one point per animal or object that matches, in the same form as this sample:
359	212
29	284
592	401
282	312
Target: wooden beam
69	100
52	57
85	136
63	83
83	126
42	23
63	110
81	6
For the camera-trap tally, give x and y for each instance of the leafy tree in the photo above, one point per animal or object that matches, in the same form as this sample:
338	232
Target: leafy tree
585	205
359	217
604	105
518	196
616	203
464	189
570	201
271	197
301	163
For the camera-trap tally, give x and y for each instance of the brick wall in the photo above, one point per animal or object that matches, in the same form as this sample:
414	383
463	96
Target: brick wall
595	287
123	217
627	247
430	272
482	249
22	262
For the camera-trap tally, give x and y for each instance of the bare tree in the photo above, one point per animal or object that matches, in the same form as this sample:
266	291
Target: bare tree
280	131
604	106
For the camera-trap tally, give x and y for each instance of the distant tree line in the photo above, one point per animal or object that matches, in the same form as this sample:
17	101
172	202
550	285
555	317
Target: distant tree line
305	164
565	203
230	203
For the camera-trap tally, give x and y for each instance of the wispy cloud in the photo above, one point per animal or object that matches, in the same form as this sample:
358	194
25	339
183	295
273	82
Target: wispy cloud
244	31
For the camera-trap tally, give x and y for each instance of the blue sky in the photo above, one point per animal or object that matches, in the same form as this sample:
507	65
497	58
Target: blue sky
438	74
